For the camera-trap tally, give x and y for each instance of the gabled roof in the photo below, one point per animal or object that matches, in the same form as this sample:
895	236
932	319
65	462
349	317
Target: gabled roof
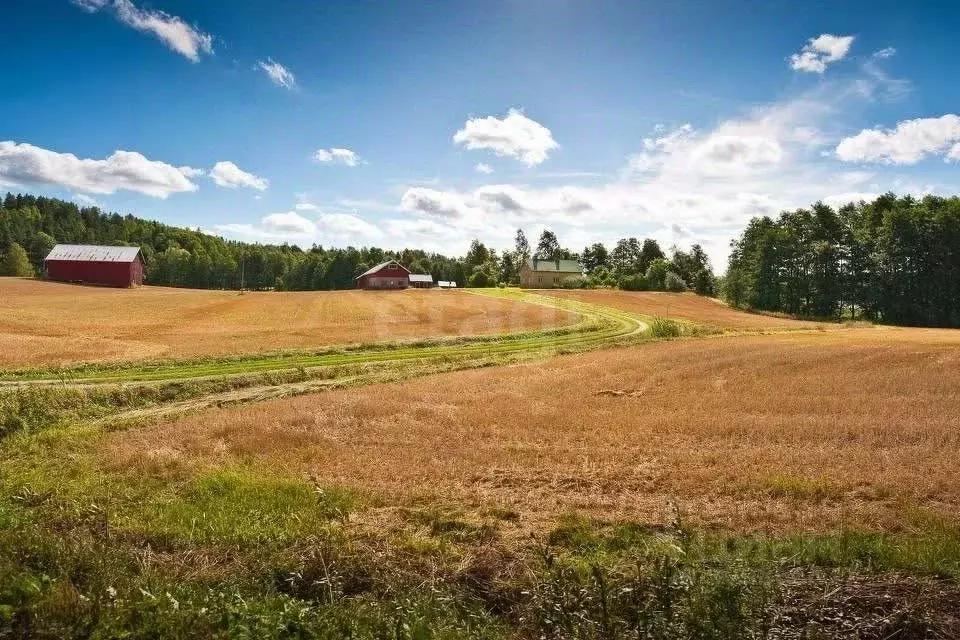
92	253
381	266
421	277
563	266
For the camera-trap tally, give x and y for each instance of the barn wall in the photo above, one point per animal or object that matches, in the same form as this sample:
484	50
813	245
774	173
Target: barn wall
386	278
378	281
113	274
136	273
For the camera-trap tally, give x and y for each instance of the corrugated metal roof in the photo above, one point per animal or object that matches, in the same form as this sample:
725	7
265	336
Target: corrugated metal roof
381	266
564	266
421	277
92	253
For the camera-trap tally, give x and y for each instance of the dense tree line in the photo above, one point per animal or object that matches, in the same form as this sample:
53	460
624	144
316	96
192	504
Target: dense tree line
31	225
629	265
894	260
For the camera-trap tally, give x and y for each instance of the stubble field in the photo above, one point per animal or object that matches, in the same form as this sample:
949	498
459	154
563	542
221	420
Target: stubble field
49	323
765	478
791	432
687	307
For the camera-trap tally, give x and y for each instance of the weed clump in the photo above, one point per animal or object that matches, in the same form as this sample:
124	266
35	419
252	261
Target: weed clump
665	328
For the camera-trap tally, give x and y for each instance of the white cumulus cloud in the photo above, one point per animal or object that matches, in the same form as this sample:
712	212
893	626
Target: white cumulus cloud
908	143
433	203
289	222
820	52
122	170
337	156
341	229
330	229
515	135
683	185
278	74
227	174
179	36
483	168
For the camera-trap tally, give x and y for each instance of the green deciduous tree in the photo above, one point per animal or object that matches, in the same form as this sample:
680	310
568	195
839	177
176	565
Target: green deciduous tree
594	257
548	247
656	275
649	252
15	262
521	246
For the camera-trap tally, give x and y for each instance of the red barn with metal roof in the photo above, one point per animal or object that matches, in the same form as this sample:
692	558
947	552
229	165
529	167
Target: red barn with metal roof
91	264
386	275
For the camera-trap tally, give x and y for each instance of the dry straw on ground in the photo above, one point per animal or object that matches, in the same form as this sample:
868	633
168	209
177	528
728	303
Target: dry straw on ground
689	307
805	430
51	323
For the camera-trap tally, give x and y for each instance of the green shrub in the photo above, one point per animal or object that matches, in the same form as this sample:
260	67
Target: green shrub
633	283
665	328
657	274
574	283
673	282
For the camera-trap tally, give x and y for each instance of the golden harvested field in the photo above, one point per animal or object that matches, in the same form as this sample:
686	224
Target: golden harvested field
682	306
792	431
49	323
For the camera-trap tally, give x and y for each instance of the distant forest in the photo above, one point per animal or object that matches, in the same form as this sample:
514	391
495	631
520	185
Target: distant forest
30	226
895	260
182	257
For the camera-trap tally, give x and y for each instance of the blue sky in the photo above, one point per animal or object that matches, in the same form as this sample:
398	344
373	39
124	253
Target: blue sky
425	125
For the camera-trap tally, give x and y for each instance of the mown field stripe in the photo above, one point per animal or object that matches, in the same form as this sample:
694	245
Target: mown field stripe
600	325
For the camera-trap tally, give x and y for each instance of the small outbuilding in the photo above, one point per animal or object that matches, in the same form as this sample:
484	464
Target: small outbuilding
386	275
93	264
548	274
447	284
421	280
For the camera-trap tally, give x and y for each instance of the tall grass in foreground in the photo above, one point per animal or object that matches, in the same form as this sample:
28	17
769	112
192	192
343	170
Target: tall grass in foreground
233	555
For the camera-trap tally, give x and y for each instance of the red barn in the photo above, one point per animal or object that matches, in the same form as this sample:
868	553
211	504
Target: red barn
109	266
386	275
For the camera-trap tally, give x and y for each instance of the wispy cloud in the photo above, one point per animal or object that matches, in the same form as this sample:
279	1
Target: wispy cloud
187	40
278	74
337	156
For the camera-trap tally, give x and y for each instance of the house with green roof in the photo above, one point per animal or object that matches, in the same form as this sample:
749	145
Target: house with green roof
548	274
